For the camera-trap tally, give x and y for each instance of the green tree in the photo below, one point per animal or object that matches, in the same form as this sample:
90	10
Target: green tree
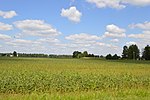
125	52
133	52
15	54
85	54
76	54
109	56
115	57
80	55
146	53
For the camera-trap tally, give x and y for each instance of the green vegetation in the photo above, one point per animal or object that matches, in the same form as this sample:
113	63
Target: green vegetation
43	78
132	52
146	53
77	54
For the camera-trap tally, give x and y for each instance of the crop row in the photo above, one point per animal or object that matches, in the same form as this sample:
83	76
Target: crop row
28	82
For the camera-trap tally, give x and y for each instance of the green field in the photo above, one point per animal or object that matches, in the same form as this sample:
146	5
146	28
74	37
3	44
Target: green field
73	79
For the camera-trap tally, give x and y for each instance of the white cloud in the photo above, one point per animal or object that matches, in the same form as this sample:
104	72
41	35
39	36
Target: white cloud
106	45
137	2
36	28
145	25
107	3
72	14
48	40
90	43
6	27
136	35
103	44
118	4
8	14
23	45
114	40
21	42
114	31
145	36
131	43
83	37
4	37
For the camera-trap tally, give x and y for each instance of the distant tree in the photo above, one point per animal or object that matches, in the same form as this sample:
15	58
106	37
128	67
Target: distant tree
90	55
85	54
3	55
76	54
125	52
146	53
80	55
115	57
109	56
133	52
101	56
15	54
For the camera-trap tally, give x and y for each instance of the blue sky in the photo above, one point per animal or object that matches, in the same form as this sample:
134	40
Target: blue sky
63	26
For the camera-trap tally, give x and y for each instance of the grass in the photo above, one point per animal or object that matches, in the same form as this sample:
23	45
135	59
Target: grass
43	78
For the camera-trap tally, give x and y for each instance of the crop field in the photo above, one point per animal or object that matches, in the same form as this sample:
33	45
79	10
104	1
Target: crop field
73	79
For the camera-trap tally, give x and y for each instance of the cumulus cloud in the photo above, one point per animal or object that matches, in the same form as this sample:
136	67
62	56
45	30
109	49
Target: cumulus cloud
118	4
107	3
143	38
145	25
72	14
23	45
114	31
136	35
82	41
5	27
137	2
131	43
114	40
36	28
145	35
82	37
7	14
4	37
21	42
48	40
90	43
103	44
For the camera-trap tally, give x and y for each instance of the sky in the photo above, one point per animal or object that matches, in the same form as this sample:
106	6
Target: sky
63	26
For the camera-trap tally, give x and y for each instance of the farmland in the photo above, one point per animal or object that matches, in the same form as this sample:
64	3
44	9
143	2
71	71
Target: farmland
45	78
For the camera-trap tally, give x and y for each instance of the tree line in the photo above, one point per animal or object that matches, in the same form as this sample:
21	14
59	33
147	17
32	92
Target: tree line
132	52
77	54
15	54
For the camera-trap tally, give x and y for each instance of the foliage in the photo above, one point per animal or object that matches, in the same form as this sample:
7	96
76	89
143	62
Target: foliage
15	54
77	54
85	54
125	52
146	53
114	57
133	52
